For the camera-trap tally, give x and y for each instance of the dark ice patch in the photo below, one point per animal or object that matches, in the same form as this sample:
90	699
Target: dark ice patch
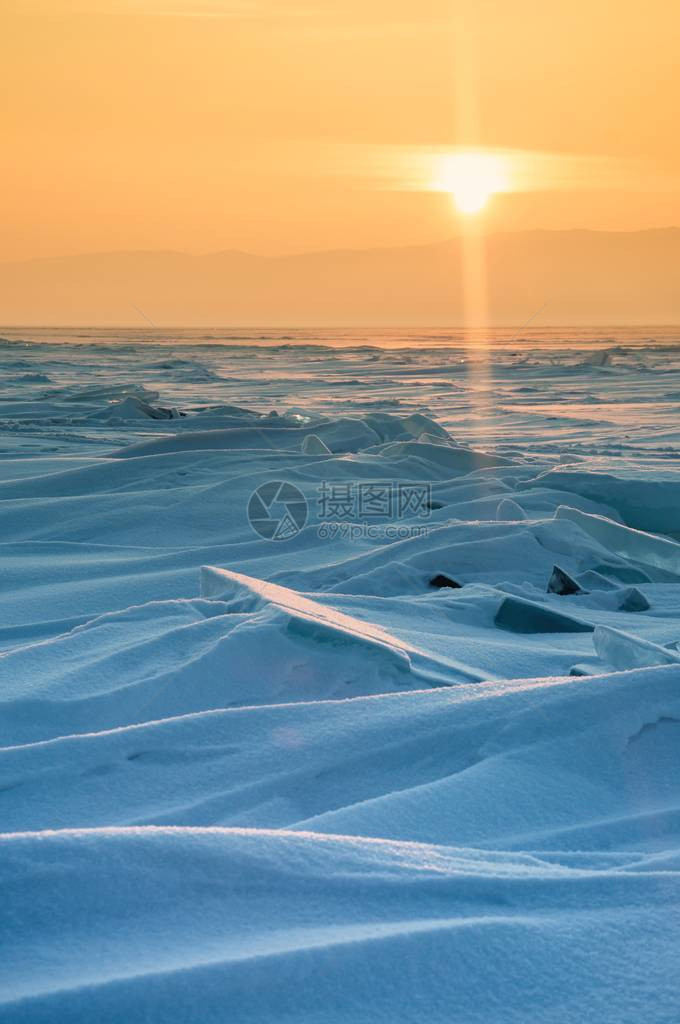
519	616
440	580
634	601
560	582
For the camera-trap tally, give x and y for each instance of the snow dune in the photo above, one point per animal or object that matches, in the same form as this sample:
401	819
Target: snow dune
269	925
424	771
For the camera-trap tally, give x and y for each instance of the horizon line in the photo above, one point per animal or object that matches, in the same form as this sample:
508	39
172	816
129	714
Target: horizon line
333	249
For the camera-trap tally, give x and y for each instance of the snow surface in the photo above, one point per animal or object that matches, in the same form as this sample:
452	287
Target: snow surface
251	780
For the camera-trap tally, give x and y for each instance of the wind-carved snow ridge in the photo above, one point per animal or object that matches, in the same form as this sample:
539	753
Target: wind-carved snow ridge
413	757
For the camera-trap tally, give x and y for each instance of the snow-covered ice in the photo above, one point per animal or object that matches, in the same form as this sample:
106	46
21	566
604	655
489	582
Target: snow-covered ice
340	679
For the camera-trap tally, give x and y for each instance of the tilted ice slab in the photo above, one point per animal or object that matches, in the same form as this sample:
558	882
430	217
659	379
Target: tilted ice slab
247	594
623	651
509	509
643	503
520	616
313	445
623	541
313	619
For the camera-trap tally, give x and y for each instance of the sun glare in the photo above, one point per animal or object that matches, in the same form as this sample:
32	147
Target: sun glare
470	198
471	179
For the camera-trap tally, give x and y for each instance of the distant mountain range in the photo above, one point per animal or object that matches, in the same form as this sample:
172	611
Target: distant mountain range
586	277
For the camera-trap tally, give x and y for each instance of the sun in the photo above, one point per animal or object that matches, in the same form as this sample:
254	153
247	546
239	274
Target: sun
471	178
470	197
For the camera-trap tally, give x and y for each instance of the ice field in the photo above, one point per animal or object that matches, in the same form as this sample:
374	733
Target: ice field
340	677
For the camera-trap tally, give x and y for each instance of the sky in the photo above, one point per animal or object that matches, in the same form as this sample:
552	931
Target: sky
278	127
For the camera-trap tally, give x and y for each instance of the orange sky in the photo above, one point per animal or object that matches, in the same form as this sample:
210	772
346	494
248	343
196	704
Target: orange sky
205	125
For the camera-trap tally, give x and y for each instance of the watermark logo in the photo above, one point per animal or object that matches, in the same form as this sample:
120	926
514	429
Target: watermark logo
371	500
345	510
277	510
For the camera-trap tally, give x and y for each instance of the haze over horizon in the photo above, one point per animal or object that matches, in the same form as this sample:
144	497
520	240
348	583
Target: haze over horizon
584	277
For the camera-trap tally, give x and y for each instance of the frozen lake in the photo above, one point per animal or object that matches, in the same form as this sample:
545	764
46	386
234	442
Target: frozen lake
340	675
